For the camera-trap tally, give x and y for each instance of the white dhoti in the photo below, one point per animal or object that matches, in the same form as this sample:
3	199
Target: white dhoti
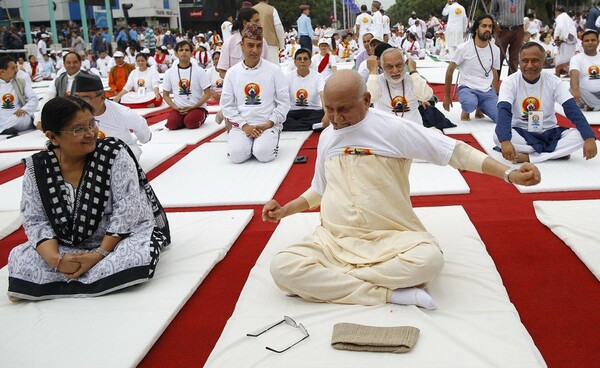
592	99
370	241
570	141
454	37
141	100
16	123
565	53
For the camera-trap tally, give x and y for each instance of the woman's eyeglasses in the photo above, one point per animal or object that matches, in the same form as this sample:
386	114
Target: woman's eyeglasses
290	322
81	130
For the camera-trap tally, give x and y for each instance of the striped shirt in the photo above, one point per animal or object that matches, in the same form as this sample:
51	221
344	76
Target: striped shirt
501	10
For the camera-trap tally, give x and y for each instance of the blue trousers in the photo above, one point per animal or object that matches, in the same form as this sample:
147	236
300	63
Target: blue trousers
471	99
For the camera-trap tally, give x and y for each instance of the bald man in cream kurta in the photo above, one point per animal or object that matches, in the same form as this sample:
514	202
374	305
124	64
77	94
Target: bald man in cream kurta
370	247
370	241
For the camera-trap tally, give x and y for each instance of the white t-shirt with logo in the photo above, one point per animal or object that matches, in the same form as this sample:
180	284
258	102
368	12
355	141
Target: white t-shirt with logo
472	73
589	71
305	91
364	21
187	85
216	82
539	96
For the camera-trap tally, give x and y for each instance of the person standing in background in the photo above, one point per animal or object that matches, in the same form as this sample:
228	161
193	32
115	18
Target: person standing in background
510	15
457	24
272	29
305	30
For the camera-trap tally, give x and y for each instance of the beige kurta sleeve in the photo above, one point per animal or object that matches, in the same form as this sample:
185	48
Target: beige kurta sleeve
312	198
467	158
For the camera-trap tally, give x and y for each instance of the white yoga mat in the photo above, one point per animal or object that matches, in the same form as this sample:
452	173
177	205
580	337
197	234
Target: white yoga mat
593	117
576	223
10	159
213	109
41	84
34	140
188	183
284	135
9	222
160	134
4	136
117	330
430	179
465	127
475	325
437	75
345	65
10	192
431	63
155	154
150	110
557	175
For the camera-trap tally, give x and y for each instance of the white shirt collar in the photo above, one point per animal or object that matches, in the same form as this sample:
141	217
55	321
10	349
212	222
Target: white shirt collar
246	67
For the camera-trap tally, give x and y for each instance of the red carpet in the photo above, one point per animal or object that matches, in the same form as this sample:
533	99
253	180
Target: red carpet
557	297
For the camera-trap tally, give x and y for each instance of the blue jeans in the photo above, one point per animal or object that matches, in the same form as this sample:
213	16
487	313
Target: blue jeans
471	99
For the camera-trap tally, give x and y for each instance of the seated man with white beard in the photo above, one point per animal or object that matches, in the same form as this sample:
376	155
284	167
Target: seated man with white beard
392	92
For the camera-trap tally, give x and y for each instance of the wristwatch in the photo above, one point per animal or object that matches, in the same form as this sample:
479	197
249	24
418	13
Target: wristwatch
507	173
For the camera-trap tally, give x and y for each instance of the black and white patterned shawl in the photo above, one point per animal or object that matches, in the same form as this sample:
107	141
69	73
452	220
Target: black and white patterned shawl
93	192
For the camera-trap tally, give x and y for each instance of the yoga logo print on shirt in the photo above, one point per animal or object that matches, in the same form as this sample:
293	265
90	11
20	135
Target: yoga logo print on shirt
252	93
8	101
141	82
399	104
301	97
530	103
594	72
365	20
219	83
457	11
357	151
184	86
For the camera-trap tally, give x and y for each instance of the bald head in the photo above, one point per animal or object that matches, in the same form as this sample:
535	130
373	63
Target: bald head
346	98
344	81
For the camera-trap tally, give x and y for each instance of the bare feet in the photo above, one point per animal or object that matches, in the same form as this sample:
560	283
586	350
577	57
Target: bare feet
219	117
587	108
464	116
479	114
522	157
563	158
14	299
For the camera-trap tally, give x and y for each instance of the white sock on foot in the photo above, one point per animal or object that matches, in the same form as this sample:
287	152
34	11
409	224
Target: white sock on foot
413	296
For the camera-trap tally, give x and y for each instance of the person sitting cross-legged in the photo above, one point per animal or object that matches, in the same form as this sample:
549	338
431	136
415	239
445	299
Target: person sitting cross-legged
191	89
585	73
527	129
370	247
306	92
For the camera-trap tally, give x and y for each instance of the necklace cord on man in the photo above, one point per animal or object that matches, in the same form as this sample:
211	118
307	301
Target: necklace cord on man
486	72
391	100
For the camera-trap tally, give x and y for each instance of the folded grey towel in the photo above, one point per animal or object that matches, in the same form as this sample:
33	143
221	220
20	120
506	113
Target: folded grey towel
351	336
